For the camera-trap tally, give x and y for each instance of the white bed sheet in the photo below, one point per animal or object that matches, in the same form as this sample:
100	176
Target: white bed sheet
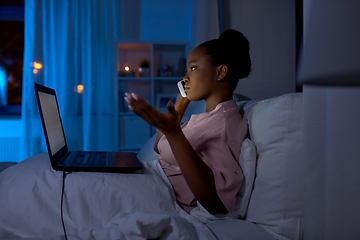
96	205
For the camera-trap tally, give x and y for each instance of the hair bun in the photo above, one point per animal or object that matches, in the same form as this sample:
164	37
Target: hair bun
235	40
236	49
233	49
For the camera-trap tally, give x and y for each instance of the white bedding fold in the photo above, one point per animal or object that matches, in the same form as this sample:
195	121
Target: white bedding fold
96	205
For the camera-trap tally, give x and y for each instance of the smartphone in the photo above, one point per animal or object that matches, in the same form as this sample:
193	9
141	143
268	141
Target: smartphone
181	86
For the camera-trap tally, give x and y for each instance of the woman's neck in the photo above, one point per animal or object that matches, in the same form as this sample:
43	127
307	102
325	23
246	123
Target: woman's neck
211	103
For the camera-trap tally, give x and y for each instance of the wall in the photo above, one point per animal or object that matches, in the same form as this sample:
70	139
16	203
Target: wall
270	27
166	20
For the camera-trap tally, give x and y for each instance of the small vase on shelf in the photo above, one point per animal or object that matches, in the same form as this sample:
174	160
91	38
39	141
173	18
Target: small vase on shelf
144	68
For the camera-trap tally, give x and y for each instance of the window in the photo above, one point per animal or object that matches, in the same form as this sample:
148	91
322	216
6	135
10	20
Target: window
11	56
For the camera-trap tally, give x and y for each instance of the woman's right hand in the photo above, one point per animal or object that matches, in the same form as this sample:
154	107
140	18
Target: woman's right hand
165	122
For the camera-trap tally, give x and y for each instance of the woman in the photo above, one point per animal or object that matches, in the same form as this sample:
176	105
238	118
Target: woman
200	157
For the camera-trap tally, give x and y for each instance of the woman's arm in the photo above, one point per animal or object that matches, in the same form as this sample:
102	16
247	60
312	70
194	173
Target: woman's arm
197	174
180	106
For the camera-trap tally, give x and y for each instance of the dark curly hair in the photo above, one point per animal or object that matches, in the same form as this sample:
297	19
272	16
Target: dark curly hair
232	49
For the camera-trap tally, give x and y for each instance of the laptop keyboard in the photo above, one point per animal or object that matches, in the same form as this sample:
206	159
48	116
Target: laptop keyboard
90	159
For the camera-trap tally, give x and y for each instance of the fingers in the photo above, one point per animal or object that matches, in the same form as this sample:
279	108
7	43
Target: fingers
130	99
164	122
138	105
134	96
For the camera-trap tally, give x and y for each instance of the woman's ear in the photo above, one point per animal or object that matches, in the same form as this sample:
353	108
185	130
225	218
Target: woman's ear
222	71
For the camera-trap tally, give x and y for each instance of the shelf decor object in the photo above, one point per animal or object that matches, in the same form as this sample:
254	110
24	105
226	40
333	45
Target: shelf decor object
144	68
127	72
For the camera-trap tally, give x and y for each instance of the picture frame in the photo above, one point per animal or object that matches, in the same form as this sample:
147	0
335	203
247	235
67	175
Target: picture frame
163	98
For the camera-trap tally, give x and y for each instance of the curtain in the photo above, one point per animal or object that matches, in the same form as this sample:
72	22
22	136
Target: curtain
32	141
75	41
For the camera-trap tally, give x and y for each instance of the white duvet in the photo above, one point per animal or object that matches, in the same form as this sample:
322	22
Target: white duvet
96	205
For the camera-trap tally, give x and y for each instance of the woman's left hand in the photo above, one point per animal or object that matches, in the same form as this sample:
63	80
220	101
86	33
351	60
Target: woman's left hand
165	122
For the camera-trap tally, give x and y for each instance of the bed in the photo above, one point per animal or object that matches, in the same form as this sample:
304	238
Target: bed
142	205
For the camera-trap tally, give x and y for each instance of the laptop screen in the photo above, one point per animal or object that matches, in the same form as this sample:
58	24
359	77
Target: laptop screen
52	122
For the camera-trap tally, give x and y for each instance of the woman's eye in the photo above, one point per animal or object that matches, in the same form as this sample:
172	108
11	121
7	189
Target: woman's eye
192	68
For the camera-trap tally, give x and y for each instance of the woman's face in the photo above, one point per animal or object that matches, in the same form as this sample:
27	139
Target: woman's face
200	77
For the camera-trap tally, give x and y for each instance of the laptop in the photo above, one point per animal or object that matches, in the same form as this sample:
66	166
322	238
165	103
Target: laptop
83	161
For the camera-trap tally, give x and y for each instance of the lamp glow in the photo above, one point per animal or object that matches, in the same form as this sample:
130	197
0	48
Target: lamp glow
37	65
80	88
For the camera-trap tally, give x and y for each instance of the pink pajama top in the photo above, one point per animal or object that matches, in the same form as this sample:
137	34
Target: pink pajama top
216	136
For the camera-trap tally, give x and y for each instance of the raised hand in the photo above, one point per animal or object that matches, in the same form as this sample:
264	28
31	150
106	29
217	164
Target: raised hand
165	122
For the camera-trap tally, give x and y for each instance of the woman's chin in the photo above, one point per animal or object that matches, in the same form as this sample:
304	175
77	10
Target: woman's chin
189	97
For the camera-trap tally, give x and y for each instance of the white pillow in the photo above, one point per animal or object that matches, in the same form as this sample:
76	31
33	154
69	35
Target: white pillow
275	127
247	162
147	152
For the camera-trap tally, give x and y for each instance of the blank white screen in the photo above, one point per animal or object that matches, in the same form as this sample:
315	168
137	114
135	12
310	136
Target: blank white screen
52	122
